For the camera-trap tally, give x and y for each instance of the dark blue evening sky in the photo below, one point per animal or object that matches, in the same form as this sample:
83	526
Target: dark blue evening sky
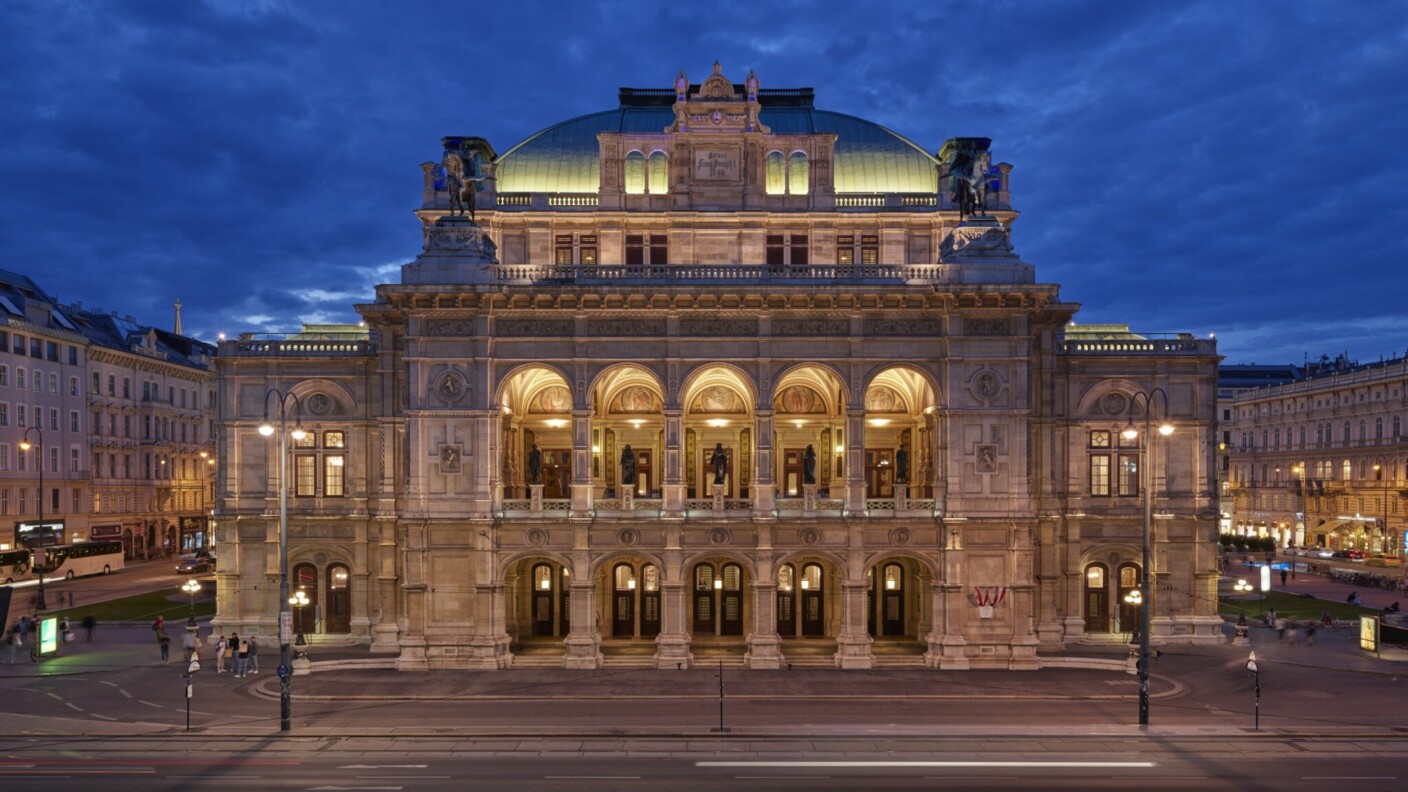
1236	168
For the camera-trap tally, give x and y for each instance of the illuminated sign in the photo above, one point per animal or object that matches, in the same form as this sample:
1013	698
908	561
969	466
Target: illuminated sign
1266	578
48	636
1369	633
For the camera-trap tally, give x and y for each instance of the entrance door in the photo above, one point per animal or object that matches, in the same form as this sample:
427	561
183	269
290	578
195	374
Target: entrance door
557	472
305	617
1129	614
786	601
1097	599
870	602
731	608
650	601
892	600
792	472
339	612
704	611
543	600
879	473
623	608
813	622
644	481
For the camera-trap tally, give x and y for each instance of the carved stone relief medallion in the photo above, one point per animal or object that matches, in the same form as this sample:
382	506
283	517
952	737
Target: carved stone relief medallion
808	536
1114	404
719	537
450	458
451	386
319	404
900	536
537	537
987	458
320	558
628	537
987	385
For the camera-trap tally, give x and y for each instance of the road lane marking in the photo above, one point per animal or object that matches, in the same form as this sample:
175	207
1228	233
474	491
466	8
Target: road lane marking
105	682
103	717
149	704
380	767
124	693
73	706
1349	778
1013	765
599	778
54	696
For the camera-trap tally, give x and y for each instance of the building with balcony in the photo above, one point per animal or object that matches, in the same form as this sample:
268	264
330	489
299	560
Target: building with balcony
717	374
1323	461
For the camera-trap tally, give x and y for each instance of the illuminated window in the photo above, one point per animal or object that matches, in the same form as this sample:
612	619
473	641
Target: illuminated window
1100	474
635	173
775	173
659	172
798	174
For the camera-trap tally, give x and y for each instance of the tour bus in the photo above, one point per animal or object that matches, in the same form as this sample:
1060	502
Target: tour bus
85	558
16	565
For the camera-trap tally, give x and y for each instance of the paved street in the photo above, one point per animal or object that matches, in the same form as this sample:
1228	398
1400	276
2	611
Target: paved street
110	708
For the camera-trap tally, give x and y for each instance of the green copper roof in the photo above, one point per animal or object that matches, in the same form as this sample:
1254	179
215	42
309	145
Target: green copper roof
564	158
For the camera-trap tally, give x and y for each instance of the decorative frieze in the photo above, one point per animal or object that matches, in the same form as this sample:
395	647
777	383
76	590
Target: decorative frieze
634	328
716	327
809	326
534	327
885	326
986	327
450	327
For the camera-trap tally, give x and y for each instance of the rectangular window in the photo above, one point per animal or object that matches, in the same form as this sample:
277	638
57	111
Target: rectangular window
38	416
53	419
51	351
641	249
5	501
18	349
4	456
22	462
73	360
4	414
334	440
562	249
586	250
5	375
308	440
305	475
333	465
776	255
870	250
845	250
34	349
77	500
73	460
1129	474
1099	474
787	250
19	415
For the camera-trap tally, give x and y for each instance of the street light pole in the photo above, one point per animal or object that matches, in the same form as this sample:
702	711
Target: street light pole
39	603
285	616
1145	483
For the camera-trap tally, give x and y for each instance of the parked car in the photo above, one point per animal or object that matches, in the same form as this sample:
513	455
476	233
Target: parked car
195	564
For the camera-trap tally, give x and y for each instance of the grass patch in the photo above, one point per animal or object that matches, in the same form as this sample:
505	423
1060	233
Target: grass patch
1293	606
172	603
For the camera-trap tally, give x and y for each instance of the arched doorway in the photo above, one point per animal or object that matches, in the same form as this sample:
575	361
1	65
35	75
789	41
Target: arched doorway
305	617
718	599
550	609
635	600
1097	598
801	600
885	597
339	610
1128	581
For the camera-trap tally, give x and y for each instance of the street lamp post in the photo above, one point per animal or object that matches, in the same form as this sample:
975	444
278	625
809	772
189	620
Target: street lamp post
191	587
1256	682
1382	473
39	603
1145	485
300	601
284	402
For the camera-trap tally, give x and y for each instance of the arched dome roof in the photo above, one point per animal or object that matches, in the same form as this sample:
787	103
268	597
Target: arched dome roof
564	158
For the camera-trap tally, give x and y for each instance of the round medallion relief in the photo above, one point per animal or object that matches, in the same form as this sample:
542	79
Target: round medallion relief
1114	403
808	536
450	386
987	385
627	537
319	404
537	537
320	558
900	536
719	536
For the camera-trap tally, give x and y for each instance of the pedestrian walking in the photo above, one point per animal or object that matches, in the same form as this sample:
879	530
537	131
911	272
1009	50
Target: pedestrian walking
241	658
189	642
220	655
231	646
253	644
1292	634
1280	630
1310	634
66	629
1283	578
164	641
12	644
89	624
24	629
1271	617
1326	619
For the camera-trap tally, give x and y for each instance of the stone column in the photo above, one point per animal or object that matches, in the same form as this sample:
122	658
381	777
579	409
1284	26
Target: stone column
855	460
672	491
764	644
583	643
488	647
764	476
853	644
672	644
581	463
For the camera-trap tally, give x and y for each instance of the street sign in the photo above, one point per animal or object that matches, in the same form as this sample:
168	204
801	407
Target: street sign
286	627
193	667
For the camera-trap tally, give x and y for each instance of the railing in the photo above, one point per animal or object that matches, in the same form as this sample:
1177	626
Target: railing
1180	344
684	273
573	200
514	199
844	201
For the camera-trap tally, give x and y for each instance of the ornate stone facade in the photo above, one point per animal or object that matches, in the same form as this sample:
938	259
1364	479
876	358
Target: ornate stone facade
692	316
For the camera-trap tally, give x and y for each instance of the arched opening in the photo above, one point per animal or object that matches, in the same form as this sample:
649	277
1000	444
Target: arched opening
635	600
885	601
339	610
549	610
809	413
635	173
659	173
1097	598
775	174
801	600
537	414
798	174
628	433
718	599
719	445
1128	581
305	617
900	436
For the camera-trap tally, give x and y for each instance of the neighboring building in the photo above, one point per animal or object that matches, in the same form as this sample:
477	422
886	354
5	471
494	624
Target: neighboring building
43	358
1323	461
717	374
1233	379
151	455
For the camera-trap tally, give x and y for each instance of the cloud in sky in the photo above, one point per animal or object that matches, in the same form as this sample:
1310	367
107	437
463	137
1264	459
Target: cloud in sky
1203	166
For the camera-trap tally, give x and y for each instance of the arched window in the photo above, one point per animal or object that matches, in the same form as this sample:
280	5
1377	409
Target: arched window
798	174
635	173
659	173
623	605
776	176
305	579
1378	428
1347	471
338	617
1097	599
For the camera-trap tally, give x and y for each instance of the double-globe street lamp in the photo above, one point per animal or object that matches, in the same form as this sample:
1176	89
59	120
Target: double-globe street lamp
1145	485
285	403
39	603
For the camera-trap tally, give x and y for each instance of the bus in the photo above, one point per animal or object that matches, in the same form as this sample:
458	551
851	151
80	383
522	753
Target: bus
16	565
84	558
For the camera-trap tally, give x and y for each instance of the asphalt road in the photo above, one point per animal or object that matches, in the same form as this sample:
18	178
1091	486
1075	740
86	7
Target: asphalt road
137	578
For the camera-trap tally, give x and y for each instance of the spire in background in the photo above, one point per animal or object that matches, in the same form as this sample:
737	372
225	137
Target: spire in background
178	317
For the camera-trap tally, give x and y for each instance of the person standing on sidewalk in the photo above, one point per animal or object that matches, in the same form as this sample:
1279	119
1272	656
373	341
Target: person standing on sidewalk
253	644
231	647
164	641
220	655
24	629
241	658
90	622
12	644
1283	578
189	641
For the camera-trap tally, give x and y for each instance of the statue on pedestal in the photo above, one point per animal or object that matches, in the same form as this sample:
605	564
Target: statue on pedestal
809	466
902	465
968	163
719	461
535	465
628	465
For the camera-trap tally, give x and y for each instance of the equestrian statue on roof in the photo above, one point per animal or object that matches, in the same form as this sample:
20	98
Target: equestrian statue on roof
968	163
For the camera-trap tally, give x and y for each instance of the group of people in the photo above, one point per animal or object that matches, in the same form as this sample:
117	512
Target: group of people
1288	631
18	634
237	656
